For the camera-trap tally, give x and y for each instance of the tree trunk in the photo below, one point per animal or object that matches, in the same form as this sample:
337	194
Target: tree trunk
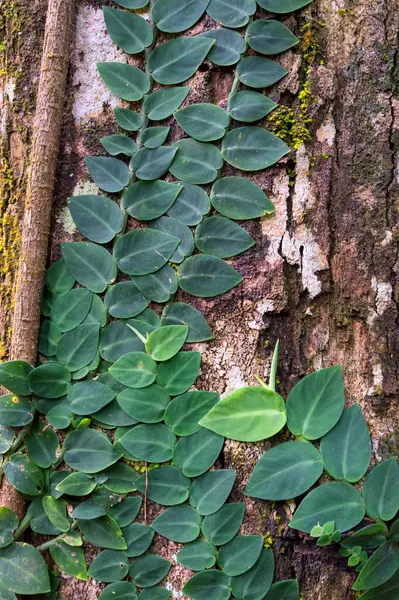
322	276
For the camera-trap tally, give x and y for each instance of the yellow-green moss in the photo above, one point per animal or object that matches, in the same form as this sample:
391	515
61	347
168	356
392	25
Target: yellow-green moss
267	540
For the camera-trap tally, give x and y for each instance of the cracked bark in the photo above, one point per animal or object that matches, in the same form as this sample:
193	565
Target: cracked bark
323	274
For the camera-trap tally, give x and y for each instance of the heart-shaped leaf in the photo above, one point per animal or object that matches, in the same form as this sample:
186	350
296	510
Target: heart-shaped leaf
259	72
70	309
89	396
150	164
270	37
163	343
179	373
56	512
76	484
162	104
70	560
103	532
126	511
135	370
196	453
249	106
166	486
173	19
282	6
14	376
155	593
130	32
110	174
144	251
125	300
91	265
132	4
138	538
128	119
176	60
184	412
89	451
117	340
252	148
178	523
179	313
208	585
42	444
49	336
196	162
381	490
9	523
158	286
148	570
380	567
240	199
78	347
109	566
235	13
96	217
228	47
15	411
148	200
256	582
125	81
221	237
121	590
146	405
88	510
50	380
207	276
177	229
24	475
203	122
239	555
23	570
153	137
197	556
284	590
220	527
190	205
210	491
152	443
119	144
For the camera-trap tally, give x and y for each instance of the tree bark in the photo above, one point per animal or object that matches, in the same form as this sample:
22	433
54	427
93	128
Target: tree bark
322	277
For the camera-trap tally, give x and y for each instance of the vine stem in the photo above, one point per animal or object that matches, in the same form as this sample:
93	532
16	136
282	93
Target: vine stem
50	543
146	493
15	445
23	526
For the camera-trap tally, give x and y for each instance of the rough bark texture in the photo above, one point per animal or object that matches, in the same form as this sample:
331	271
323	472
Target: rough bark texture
323	274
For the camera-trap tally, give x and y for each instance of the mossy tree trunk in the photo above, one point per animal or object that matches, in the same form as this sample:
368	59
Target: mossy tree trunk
323	274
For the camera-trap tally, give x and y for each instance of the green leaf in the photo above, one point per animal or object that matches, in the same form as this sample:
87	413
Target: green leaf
77	348
6	438
315	403
76	484
148	200
138	538
196	453
118	144
124	300
249	106
259	72
270	37
284	590
178	59
70	560
50	380
126	511
105	498
282	6
240	554
23	570
196	162
60	416
197	556
162	104
256	582
190	205
381	490
178	523
234	13
174	19
163	343
152	443
112	416
92	266
208	585
42	444
58	278
49	336
146	405
150	164
125	81
285	471
184	412
15	411
179	373
252	148
117	340
121	590
97	218
239	198
220	527
228	46
132	3
110	174
97	312
210	491
144	251
109	566
8	524
135	370
368	537
207	276
158	286
380	567
56	513
248	414
70	309
89	450
89	396
103	532
14	376
180	230
130	32
127	119
166	486
338	502
153	137
155	593
346	449
221	237
88	510
148	570
203	122
179	313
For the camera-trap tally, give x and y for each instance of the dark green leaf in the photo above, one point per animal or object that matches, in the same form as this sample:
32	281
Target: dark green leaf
282	6
132	3
173	19
88	510
285	471
144	251
138	538
155	593
49	336
197	556
121	590
184	412
24	475
97	312
14	376
228	46
380	567
221	237
126	81
210	491
203	122
8	524
58	278
179	373
270	37
208	585
178	523
196	162
130	32
166	486
338	502
15	411
128	119
381	490
77	348
315	403
149	569
196	453
110	174
153	137
118	144
89	396
117	340
70	560
50	380
179	313
180	230
252	148
176	60
207	276
89	450
190	205
126	511
56	513
42	443
158	286
23	570
284	590
76	484
70	309
103	532
97	217
234	13
162	104
135	370
223	525
60	416
370	536
121	478
249	106
259	72
240	199
146	405
152	443
255	583
163	343
6	438
150	164
124	300
109	566
148	200
240	554
92	266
